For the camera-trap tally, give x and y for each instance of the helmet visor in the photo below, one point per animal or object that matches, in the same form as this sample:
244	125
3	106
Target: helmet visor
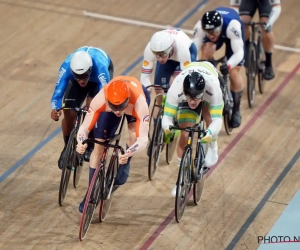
83	76
119	107
162	53
213	31
196	96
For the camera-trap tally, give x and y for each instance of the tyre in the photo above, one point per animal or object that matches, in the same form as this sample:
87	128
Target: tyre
68	163
156	147
251	73
183	185
111	174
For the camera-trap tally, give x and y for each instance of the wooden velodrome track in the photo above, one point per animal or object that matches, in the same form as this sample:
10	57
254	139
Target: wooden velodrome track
245	193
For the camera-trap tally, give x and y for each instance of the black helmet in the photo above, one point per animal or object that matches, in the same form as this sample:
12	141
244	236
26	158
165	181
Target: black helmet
193	85
211	20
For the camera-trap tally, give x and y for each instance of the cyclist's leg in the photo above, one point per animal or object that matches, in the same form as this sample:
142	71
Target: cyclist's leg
123	171
93	90
186	117
163	73
236	86
268	38
73	97
247	10
212	151
209	48
105	128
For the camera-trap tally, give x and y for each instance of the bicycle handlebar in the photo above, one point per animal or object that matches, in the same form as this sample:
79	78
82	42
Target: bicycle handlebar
158	86
222	60
195	128
105	144
74	109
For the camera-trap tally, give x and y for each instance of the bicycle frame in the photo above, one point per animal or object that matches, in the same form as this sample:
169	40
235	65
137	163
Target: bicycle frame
108	144
197	128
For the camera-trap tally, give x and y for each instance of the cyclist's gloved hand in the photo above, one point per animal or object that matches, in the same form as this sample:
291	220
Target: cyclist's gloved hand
208	137
168	134
224	69
123	158
55	115
267	27
80	148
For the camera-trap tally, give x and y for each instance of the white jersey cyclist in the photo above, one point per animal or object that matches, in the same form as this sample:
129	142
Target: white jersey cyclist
173	49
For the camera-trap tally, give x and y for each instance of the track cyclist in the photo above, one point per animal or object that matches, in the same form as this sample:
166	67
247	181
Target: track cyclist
224	25
196	88
123	95
81	76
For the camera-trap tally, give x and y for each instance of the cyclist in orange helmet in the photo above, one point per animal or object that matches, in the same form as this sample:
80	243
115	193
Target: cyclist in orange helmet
123	95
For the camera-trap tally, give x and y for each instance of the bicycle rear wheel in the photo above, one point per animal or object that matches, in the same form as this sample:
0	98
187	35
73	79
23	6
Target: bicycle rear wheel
111	174
227	113
68	163
183	185
199	177
156	146
251	73
91	201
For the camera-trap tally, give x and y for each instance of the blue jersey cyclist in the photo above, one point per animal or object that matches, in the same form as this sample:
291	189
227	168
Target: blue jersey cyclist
81	76
219	26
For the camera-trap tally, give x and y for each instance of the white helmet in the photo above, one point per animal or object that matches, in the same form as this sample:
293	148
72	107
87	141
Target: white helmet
161	41
81	65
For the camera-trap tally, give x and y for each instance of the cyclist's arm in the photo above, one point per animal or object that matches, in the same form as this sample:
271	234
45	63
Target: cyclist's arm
141	113
96	107
275	12
184	56
64	75
147	67
216	108
103	76
198	35
171	104
234	33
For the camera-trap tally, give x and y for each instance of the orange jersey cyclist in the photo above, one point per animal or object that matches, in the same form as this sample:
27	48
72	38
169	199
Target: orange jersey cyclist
123	95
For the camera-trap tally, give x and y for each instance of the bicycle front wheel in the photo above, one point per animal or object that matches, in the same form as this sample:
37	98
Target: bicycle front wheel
251	73
111	174
183	185
199	177
260	64
67	168
156	146
91	201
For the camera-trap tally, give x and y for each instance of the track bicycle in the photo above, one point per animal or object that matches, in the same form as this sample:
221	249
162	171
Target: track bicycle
71	160
157	140
101	186
255	62
192	171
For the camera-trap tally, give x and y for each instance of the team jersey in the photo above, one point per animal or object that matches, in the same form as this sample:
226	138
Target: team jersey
100	74
137	108
231	29
212	95
181	54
